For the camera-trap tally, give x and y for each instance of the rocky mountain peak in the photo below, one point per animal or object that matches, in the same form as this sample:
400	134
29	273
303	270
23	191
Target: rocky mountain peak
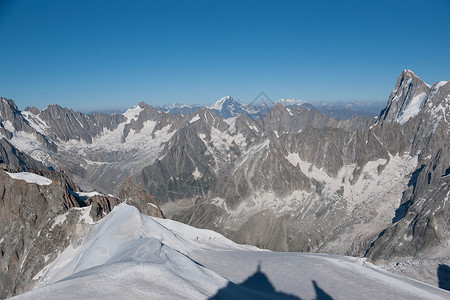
227	107
11	118
33	110
406	99
225	100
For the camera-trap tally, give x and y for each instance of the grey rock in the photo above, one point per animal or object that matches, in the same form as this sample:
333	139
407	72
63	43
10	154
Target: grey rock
16	159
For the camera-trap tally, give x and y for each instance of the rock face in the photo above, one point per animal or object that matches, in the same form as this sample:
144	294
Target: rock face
74	125
422	220
292	180
12	157
143	201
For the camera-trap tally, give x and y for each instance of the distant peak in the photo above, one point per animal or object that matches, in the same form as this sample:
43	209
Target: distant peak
226	98
219	104
407	71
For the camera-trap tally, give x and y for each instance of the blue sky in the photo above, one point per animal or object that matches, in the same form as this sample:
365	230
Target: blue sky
96	54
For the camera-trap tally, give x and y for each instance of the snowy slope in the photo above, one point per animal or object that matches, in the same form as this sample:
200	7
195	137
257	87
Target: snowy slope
30	178
131	255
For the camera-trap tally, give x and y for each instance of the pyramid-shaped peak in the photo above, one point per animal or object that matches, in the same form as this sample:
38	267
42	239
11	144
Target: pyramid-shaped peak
406	78
406	99
225	100
408	72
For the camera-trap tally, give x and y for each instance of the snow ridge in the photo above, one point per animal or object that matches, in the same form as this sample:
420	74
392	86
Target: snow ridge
30	178
131	255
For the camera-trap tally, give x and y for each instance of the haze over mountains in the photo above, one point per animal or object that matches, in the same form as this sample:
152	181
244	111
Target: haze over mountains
283	177
228	107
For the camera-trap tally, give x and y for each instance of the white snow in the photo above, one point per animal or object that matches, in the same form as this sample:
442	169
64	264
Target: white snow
43	157
22	140
89	194
289	111
439	84
412	109
30	178
137	149
232	122
85	215
221	142
195	118
59	220
133	113
153	205
254	128
8	126
276	133
219	104
128	255
197	174
294	159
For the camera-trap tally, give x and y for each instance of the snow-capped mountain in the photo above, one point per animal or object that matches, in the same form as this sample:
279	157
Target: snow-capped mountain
227	108
130	255
293	179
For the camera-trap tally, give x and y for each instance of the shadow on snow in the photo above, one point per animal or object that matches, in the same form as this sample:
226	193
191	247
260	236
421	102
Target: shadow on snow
258	286
443	272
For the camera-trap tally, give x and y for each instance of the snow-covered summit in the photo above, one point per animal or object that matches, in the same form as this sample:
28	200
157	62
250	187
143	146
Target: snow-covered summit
133	113
219	104
227	107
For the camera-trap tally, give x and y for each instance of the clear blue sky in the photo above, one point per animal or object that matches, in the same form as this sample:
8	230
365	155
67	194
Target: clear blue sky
107	54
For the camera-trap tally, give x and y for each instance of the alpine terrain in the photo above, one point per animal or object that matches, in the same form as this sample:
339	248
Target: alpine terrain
84	197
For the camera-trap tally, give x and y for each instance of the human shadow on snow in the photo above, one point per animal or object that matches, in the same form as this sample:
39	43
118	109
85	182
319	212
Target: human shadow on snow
443	272
258	286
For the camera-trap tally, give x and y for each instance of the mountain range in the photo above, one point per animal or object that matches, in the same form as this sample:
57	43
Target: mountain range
283	177
228	107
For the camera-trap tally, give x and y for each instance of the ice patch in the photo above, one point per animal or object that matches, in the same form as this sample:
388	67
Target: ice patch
59	220
132	113
195	118
232	122
8	126
412	109
439	84
89	195
197	174
153	205
85	215
37	123
30	178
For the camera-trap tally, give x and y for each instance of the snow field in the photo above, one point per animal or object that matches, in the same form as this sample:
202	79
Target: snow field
131	255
